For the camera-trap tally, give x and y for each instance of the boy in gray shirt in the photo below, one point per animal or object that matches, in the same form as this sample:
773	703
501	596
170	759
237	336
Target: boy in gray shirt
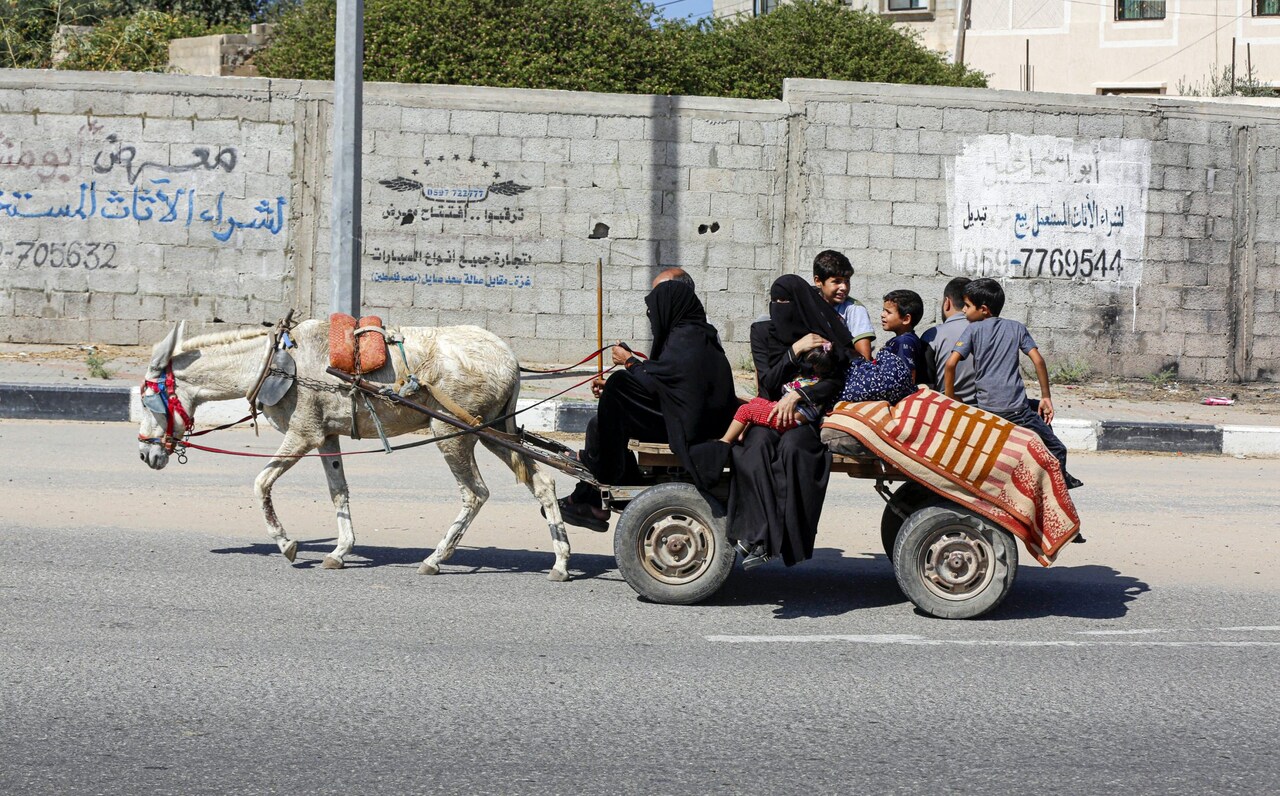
941	340
993	344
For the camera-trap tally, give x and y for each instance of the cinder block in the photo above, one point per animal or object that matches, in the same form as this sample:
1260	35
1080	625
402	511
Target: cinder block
495	148
1188	131
1064	125
571	126
892	190
1204	298
113	332
474	122
1099	126
738	157
424	120
1169	153
522	125
593	151
939	143
915	214
561	327
1180	179
869	212
892	237
905	141
834	114
850	139
714	131
919	117
870	164
630	129
921	167
964	120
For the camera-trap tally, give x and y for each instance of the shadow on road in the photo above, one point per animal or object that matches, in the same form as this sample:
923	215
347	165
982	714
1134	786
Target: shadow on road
829	584
1089	592
466	560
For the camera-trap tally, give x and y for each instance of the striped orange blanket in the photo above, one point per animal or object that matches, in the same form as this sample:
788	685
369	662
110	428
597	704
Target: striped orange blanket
980	461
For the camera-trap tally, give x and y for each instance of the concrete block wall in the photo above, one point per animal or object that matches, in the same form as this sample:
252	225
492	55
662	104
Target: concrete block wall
210	197
878	177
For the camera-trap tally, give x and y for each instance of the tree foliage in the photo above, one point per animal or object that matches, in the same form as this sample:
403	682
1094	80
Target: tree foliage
608	45
27	27
1245	83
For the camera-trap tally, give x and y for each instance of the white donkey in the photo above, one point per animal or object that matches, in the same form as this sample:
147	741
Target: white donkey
468	364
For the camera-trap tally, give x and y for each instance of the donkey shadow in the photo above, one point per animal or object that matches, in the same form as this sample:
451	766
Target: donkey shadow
466	560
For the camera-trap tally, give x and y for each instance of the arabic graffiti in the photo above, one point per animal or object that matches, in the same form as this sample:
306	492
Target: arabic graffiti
455	193
157	203
501	280
46	167
1031	207
449	257
122	154
1084	214
456	213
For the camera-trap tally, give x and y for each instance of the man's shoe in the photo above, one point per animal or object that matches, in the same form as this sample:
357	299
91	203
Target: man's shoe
1072	481
1078	539
753	555
581	516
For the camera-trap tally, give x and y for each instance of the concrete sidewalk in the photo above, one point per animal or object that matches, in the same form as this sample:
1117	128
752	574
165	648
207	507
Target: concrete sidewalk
54	382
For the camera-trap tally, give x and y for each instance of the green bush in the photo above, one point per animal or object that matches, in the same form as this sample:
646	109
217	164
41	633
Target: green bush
618	46
136	43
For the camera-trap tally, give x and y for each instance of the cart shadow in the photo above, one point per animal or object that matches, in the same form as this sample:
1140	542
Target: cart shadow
465	560
1091	591
829	584
833	583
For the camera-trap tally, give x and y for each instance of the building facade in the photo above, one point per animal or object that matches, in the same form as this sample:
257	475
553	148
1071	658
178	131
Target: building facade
1168	47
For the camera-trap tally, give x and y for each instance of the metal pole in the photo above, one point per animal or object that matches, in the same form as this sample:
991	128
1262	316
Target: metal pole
962	24
1233	65
348	99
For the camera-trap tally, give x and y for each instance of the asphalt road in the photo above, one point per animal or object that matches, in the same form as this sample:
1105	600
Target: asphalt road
153	641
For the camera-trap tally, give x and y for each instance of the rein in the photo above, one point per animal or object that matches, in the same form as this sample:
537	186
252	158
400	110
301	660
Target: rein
183	441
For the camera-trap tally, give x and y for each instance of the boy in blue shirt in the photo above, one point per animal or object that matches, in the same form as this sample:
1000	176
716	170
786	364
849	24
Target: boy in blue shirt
993	343
902	311
831	272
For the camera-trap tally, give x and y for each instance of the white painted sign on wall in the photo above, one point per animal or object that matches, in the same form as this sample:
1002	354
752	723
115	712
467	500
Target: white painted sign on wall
1043	207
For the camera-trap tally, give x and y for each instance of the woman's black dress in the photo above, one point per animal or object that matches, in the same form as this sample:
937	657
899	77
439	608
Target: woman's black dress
682	395
780	479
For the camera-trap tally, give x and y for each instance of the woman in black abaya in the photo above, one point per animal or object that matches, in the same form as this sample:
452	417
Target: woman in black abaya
780	479
682	395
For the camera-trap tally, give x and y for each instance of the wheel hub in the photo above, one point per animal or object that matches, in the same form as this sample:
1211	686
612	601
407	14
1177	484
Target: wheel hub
957	562
676	548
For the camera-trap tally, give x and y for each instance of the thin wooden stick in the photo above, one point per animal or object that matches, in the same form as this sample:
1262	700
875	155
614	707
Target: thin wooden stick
600	315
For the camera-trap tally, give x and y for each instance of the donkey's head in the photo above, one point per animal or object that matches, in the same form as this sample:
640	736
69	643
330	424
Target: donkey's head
164	417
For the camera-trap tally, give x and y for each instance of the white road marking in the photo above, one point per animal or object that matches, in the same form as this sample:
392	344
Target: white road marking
1269	628
921	641
1120	632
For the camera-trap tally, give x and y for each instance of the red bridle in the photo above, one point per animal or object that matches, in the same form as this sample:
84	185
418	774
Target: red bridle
168	391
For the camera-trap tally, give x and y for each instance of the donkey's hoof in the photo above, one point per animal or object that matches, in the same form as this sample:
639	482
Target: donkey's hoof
428	568
331	563
557	575
291	551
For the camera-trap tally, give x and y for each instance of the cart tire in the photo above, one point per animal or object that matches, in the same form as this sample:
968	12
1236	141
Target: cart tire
671	547
907	498
953	563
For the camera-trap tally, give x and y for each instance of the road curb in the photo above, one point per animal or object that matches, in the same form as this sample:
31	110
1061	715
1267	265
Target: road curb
120	403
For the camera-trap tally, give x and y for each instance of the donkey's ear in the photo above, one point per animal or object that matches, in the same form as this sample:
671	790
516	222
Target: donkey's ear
163	350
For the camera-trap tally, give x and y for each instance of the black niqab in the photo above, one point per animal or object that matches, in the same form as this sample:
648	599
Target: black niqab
695	380
796	309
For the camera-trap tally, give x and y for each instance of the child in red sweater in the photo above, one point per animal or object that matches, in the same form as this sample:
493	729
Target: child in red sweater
816	365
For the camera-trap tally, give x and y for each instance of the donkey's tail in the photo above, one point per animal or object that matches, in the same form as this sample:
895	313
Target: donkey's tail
521	465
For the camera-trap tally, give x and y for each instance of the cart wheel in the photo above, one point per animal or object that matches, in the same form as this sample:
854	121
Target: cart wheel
670	546
952	563
907	498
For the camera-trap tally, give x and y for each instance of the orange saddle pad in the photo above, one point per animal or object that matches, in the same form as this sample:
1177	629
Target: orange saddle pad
356	353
